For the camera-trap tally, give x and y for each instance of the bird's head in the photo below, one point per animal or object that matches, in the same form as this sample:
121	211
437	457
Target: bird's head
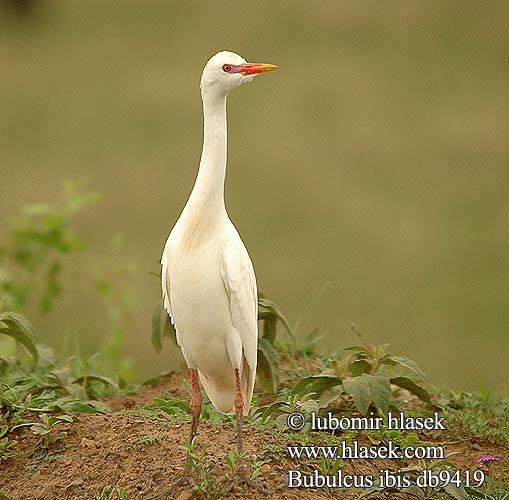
227	70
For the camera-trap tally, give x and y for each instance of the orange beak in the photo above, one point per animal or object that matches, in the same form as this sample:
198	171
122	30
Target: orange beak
254	68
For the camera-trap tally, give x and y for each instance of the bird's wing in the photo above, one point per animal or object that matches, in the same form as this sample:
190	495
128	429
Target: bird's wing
165	282
240	283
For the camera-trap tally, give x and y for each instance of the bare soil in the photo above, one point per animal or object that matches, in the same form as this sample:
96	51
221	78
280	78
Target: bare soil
113	449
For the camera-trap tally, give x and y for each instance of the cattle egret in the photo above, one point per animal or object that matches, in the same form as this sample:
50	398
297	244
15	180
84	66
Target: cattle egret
208	281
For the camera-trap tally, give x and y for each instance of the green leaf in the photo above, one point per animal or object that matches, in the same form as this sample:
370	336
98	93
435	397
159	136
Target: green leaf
407	367
82	406
329	396
53	288
269	325
173	406
359	349
455	492
4	497
311	342
359	367
40	429
411	386
358	388
19	328
370	491
267	306
268	366
161	327
380	389
316	384
473	492
152	381
415	491
97	378
267	411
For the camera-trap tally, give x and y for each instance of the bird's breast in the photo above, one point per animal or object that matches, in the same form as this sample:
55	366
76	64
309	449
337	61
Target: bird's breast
198	296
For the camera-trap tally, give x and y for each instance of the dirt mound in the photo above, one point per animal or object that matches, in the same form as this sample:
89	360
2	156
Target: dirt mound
139	451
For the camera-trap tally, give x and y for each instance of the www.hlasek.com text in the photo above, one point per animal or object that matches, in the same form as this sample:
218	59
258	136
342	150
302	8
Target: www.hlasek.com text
355	451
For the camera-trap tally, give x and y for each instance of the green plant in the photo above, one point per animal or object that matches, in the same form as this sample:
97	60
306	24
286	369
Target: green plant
47	424
202	470
482	415
298	354
149	439
20	330
290	403
359	378
495	485
5	443
257	470
268	363
47	449
395	436
232	460
112	493
329	467
364	375
33	247
174	407
32	251
50	385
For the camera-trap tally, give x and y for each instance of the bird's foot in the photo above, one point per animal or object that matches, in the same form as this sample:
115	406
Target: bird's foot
185	478
239	478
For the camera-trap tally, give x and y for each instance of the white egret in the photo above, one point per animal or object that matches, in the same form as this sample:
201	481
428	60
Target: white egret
208	281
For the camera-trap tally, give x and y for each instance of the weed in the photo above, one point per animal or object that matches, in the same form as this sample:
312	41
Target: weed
149	439
150	414
47	449
396	436
257	470
483	415
232	460
298	354
272	450
494	486
112	493
196	462
37	240
5	444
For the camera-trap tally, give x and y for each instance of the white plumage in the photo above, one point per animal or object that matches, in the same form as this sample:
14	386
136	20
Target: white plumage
208	281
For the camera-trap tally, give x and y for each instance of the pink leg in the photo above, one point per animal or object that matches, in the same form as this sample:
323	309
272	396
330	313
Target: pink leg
239	409
195	402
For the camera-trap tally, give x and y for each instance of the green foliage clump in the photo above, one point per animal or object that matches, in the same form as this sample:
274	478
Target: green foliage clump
33	380
363	378
32	249
112	493
364	374
481	415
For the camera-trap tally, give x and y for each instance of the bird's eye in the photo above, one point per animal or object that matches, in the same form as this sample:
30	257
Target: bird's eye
227	68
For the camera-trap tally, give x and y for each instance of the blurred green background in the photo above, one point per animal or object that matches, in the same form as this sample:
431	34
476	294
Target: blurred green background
376	158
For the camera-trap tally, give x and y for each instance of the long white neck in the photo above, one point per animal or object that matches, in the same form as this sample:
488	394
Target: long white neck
209	185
